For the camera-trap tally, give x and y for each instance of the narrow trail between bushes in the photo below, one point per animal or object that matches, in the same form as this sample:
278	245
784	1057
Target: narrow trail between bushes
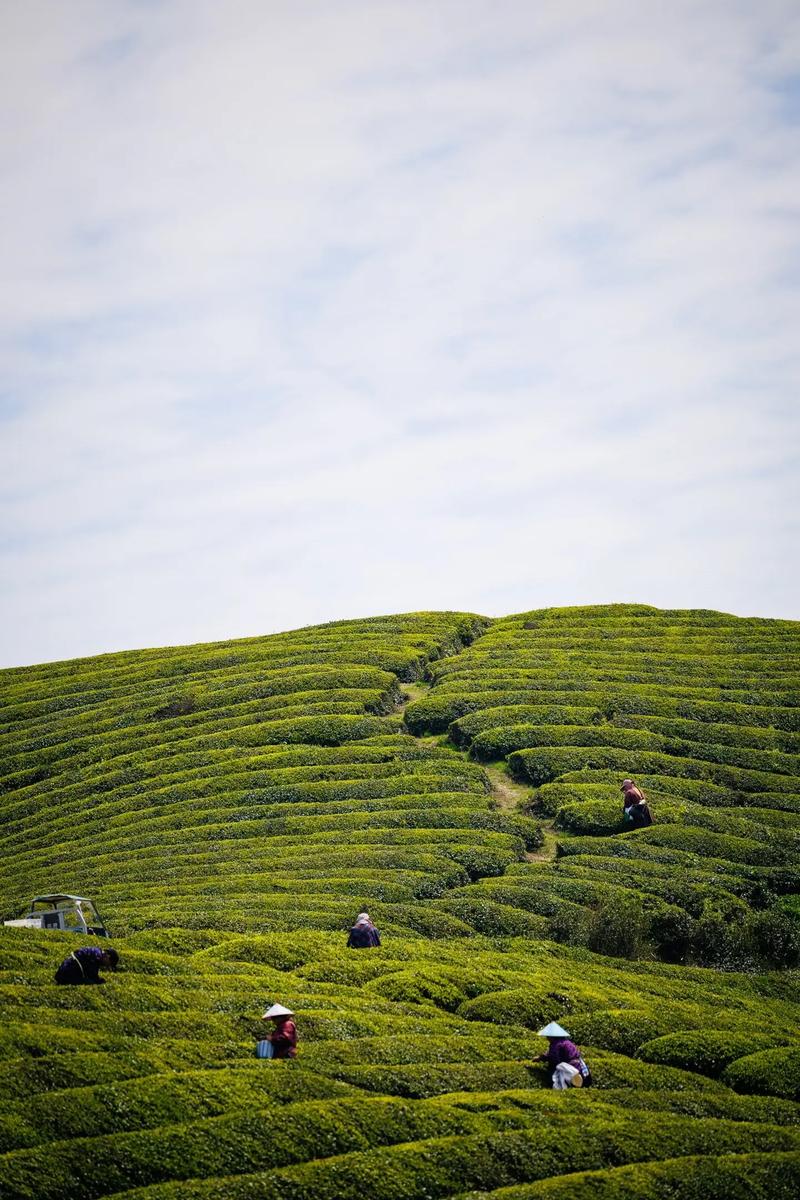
412	692
547	850
509	796
506	794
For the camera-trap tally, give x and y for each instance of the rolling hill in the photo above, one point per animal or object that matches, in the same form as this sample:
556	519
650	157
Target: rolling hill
232	806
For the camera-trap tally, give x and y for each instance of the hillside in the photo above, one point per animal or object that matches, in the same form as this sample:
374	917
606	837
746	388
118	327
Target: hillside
231	807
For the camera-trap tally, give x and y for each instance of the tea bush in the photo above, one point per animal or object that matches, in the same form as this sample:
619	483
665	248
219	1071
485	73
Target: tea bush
768	1072
621	1030
708	1051
98	1165
701	1177
440	1167
519	1006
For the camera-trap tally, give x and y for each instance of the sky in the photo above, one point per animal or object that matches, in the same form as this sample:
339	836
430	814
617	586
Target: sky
321	310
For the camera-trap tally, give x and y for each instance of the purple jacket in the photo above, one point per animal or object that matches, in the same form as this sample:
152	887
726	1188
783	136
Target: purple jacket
82	966
562	1050
363	937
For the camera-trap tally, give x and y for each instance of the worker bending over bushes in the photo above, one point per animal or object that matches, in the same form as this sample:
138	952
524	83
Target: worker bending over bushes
635	809
83	966
282	1042
363	935
563	1059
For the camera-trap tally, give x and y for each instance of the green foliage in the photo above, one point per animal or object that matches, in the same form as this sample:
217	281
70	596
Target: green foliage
519	1006
773	1176
222	1145
418	1081
619	927
494	920
768	1072
232	807
427	986
776	935
439	1167
708	1051
144	1103
470	729
622	1030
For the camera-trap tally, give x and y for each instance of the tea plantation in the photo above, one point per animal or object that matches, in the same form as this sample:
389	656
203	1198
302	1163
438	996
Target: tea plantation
232	807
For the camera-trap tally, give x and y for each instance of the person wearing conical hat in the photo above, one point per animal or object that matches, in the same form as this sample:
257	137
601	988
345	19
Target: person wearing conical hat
561	1050
284	1031
363	935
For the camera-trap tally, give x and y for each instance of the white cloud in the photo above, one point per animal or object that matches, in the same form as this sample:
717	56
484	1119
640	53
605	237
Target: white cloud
313	311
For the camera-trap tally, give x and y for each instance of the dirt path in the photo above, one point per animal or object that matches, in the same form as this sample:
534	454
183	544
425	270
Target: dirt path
412	692
510	796
506	794
547	850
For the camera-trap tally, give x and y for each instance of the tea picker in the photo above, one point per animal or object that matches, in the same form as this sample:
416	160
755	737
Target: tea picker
635	809
83	965
282	1042
563	1059
363	935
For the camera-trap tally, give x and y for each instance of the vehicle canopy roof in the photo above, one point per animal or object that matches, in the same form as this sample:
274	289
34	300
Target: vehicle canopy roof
54	897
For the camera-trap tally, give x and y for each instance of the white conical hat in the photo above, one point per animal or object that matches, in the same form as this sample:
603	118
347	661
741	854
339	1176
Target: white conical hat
277	1010
553	1030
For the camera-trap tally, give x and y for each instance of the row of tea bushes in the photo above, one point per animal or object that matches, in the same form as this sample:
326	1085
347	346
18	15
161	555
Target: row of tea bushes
155	697
758	1176
440	1167
211	803
231	807
703	711
398	1045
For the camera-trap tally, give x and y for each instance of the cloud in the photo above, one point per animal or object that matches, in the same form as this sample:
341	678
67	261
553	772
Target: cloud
314	311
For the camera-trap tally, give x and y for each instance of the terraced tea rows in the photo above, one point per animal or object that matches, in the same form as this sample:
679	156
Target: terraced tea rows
703	711
198	788
231	807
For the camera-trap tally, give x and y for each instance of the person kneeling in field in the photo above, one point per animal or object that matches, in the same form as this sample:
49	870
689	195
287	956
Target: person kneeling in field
634	806
563	1058
363	935
283	1038
83	966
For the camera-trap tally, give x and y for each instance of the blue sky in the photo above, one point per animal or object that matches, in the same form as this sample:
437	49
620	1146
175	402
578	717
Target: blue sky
321	310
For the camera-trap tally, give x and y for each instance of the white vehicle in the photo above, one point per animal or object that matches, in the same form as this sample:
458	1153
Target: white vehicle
72	914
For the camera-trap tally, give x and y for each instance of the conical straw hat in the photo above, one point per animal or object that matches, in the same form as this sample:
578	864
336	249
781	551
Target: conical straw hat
278	1010
553	1030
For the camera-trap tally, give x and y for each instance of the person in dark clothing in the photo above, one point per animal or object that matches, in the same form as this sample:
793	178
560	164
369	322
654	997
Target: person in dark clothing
363	935
634	806
561	1050
641	816
284	1032
83	965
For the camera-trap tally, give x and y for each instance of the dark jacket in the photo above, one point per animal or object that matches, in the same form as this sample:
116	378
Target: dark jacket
363	937
82	966
640	815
